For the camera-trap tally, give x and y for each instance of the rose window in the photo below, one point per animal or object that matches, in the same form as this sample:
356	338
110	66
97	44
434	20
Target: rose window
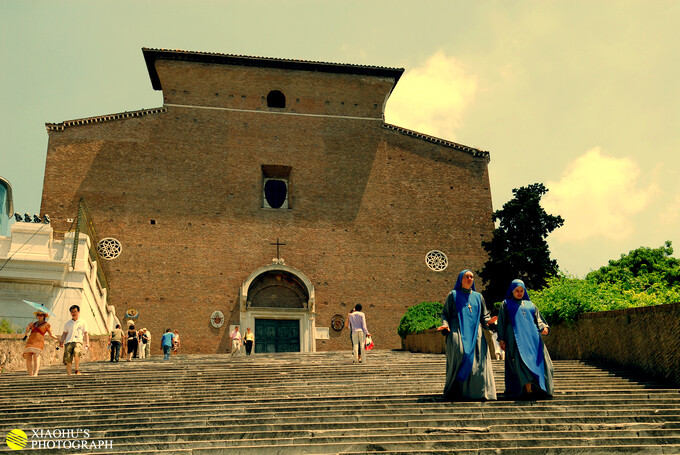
109	248
436	260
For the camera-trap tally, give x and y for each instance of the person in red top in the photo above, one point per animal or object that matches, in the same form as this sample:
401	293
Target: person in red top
36	342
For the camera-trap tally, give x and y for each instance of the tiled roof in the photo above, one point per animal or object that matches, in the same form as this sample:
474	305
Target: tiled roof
473	151
103	118
150	56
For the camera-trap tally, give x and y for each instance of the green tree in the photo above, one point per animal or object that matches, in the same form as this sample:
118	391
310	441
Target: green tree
643	277
642	269
519	248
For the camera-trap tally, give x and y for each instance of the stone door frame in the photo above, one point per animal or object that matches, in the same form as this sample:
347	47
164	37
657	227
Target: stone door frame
306	316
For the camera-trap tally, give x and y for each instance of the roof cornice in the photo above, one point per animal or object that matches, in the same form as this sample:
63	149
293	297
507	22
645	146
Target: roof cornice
477	153
151	55
103	118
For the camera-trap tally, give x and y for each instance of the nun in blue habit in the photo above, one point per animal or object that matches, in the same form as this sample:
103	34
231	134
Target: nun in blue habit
528	367
468	363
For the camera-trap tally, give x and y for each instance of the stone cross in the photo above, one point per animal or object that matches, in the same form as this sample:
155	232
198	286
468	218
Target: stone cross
277	247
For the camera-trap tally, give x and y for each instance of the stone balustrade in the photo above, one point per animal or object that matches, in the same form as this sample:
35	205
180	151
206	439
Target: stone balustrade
12	348
644	339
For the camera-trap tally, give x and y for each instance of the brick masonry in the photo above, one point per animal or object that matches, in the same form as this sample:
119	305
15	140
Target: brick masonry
432	341
644	339
181	188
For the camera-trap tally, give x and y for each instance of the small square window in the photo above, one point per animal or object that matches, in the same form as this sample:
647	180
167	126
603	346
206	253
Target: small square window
275	193
276	186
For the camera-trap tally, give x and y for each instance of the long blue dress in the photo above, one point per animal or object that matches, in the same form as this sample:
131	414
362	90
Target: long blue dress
468	364
527	360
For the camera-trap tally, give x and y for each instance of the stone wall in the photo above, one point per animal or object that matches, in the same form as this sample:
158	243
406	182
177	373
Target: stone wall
433	342
12	348
644	339
430	342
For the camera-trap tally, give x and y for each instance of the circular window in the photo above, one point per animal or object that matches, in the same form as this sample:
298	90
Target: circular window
436	260
109	248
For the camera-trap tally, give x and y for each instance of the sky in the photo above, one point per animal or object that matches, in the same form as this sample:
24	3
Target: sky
580	95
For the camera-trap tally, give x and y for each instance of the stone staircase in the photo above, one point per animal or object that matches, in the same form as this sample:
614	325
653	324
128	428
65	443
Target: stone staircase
322	403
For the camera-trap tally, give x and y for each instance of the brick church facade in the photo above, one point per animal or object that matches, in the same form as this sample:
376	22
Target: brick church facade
248	152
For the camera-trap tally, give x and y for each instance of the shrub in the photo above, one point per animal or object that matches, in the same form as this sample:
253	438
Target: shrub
422	316
566	297
8	327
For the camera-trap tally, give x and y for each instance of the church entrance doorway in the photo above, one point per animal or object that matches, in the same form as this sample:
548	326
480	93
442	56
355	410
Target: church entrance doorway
277	303
276	335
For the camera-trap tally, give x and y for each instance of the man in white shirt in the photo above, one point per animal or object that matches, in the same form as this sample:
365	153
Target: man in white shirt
357	324
235	342
75	333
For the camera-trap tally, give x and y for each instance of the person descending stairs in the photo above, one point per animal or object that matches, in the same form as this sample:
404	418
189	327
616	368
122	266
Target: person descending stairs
318	403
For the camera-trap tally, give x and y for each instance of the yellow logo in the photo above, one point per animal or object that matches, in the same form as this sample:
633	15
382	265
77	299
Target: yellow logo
16	439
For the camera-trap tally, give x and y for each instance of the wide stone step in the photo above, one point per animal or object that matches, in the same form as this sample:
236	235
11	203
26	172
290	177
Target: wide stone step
321	403
317	409
413	445
580	444
361	409
147	428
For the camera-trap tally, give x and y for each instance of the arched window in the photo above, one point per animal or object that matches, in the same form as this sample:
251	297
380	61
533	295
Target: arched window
275	98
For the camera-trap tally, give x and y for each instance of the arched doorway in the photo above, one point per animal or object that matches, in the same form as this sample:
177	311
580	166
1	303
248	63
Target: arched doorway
277	302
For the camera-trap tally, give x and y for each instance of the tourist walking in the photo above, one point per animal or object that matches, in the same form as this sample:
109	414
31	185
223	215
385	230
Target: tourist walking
36	342
166	343
249	339
175	343
235	341
468	362
528	367
351	340
357	325
500	354
116	342
147	352
72	339
132	342
143	340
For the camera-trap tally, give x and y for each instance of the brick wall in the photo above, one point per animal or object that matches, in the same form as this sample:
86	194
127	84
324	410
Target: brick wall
429	341
432	341
366	204
238	87
644	339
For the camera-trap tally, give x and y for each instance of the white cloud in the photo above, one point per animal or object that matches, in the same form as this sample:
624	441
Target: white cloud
671	213
598	196
432	99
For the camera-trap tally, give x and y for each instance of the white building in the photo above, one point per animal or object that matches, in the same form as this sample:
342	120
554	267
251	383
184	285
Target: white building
36	267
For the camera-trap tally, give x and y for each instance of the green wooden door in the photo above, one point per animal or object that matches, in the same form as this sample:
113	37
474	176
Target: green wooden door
277	335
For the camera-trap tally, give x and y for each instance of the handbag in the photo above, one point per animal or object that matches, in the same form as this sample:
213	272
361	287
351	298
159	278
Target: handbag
368	343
